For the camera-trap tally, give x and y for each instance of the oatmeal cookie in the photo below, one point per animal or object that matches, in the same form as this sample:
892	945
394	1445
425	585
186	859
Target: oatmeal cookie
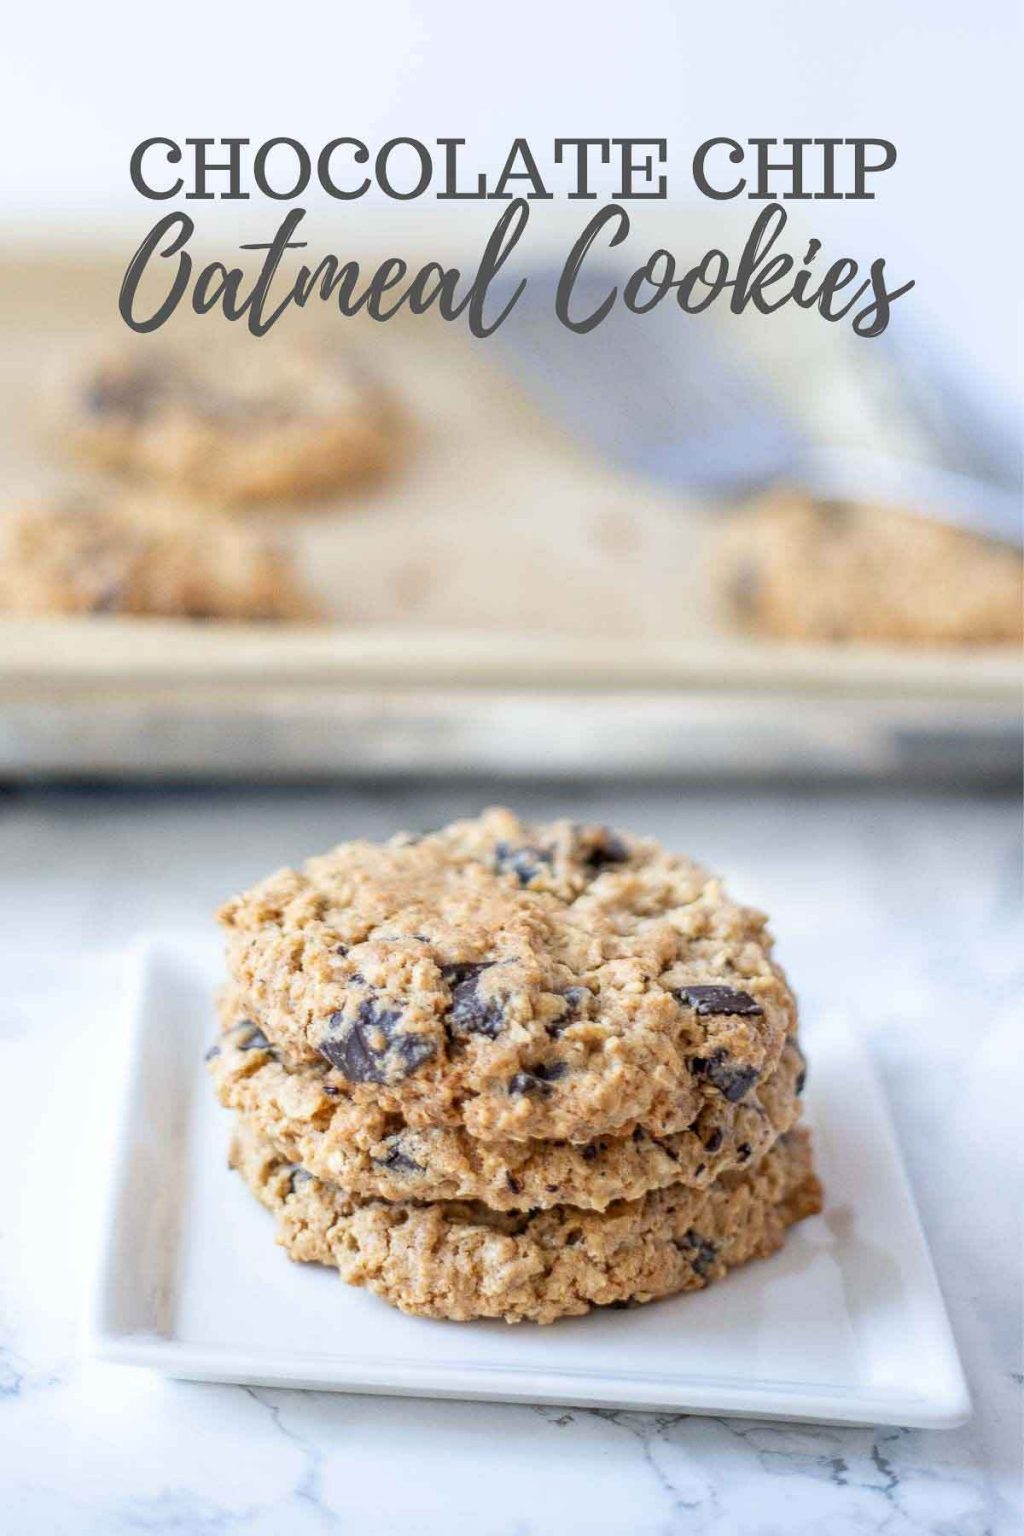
805	570
91	557
309	1116
462	1260
255	421
557	982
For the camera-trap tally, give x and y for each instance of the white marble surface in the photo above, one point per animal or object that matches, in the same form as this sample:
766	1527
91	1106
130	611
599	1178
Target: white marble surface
901	906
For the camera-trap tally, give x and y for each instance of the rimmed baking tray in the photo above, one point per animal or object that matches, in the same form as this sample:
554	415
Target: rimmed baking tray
109	698
502	603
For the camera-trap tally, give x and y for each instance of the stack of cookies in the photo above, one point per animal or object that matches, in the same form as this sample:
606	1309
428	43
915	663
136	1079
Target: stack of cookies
512	1071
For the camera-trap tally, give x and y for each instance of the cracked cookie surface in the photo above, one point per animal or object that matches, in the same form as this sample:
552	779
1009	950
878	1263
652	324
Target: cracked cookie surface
462	1260
247	421
553	982
309	1116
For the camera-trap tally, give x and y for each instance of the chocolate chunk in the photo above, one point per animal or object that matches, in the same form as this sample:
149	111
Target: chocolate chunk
397	1160
699	1250
255	1040
212	1053
414	1050
731	1081
471	1013
525	863
717	999
109	598
589	1153
602	848
105	398
801	1077
463	970
341	949
513	1183
297	1176
743	1152
130	395
370	1047
538	1079
714	1141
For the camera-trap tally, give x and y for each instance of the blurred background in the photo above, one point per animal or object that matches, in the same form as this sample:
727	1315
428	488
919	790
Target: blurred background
709	544
665	617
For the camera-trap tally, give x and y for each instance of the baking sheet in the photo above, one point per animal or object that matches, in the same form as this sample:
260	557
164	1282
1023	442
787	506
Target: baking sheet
502	601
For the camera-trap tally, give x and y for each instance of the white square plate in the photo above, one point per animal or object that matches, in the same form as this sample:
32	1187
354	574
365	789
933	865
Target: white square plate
845	1325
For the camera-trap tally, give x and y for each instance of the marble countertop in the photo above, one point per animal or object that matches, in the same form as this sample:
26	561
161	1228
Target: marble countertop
902	907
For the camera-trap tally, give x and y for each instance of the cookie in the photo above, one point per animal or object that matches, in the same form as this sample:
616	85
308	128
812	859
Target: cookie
92	557
308	1115
557	982
805	570
250	422
461	1260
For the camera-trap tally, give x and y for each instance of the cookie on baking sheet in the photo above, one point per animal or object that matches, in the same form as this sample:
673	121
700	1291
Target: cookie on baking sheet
251	421
462	1260
554	982
308	1115
92	556
801	569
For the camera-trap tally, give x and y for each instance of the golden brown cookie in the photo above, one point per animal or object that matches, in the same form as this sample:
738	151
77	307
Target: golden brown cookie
308	1114
557	982
252	421
805	570
462	1261
92	556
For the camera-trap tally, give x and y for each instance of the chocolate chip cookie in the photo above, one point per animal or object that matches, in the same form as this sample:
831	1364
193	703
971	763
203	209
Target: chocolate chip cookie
806	570
463	1260
559	982
85	556
250	422
308	1114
